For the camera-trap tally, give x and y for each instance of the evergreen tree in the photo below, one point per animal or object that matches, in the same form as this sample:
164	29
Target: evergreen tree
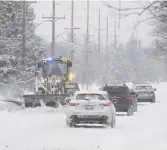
12	71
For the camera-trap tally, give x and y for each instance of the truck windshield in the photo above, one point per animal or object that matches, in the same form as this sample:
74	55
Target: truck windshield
70	90
55	68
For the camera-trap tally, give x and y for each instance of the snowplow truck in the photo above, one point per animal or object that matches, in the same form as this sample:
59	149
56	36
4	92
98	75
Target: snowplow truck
51	78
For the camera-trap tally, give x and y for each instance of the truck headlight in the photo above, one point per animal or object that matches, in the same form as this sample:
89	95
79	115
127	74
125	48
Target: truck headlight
71	76
42	80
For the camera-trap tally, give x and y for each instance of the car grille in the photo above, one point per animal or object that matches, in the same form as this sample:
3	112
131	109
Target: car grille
90	119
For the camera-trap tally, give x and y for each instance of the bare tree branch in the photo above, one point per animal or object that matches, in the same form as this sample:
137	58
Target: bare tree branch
124	15
131	9
149	6
123	9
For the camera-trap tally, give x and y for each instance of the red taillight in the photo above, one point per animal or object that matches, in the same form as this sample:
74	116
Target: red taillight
73	104
129	97
105	104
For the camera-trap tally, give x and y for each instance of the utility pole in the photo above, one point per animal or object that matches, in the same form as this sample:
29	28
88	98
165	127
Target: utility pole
107	51
98	52
24	29
72	21
99	68
115	36
87	46
72	29
119	24
53	20
53	29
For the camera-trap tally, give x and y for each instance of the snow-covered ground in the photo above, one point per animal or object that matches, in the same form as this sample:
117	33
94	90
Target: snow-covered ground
45	129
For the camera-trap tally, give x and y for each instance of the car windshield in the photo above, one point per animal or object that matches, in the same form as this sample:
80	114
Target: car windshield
143	87
115	89
90	97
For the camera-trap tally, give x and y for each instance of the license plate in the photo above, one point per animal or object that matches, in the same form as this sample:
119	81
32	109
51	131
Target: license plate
89	107
144	94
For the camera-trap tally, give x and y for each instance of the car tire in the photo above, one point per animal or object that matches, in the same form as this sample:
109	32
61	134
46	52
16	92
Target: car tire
153	100
113	122
72	124
130	111
135	107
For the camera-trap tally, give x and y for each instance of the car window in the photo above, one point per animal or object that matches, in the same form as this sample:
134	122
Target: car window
115	89
143	87
90	97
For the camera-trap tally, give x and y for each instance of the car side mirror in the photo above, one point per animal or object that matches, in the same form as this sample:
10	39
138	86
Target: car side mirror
133	93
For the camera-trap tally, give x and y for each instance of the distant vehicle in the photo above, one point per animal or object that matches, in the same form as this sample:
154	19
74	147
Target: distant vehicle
90	108
122	97
145	93
130	85
71	89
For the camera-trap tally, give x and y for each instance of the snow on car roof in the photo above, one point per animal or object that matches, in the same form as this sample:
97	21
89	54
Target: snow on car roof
143	85
92	91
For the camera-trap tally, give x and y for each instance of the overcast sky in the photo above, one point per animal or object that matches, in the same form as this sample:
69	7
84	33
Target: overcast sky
44	8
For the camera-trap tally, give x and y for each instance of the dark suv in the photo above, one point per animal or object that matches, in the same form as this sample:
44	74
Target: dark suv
122	97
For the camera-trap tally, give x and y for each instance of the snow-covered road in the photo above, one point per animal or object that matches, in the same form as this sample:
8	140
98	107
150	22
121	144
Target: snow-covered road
45	129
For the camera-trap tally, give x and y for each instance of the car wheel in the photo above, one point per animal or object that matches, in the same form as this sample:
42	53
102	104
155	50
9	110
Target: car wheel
153	100
136	106
72	124
113	123
130	112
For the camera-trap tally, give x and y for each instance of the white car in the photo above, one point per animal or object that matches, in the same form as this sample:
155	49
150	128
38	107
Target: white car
91	108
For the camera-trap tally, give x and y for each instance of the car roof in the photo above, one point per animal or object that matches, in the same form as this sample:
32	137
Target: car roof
143	85
92	92
116	85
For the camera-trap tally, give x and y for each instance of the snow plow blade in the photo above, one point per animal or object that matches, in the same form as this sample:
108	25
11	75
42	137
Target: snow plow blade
18	103
51	100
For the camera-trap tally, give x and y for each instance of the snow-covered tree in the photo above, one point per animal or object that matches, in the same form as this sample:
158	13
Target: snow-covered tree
12	71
